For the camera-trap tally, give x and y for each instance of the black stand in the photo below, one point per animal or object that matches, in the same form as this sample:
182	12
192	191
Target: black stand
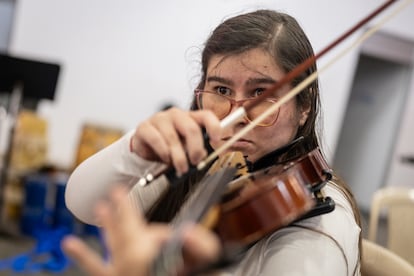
12	114
26	82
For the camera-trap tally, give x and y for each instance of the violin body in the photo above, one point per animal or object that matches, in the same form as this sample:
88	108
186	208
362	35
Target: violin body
259	203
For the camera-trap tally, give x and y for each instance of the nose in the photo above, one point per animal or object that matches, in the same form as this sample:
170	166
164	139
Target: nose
237	115
237	102
235	105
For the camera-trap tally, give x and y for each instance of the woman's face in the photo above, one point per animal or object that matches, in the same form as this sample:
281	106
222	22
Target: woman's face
244	76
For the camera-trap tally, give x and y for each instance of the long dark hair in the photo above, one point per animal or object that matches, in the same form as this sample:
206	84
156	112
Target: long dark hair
282	37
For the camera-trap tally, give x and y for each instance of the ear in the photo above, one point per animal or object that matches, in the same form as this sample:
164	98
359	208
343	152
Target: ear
306	109
304	115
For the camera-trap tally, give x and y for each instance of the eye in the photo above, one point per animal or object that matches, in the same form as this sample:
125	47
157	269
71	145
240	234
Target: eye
222	90
257	92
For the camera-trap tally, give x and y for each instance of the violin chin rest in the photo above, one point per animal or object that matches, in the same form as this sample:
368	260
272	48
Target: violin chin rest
323	206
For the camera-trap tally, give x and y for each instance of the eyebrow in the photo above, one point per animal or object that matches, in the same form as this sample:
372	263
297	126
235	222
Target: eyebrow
220	79
252	81
260	81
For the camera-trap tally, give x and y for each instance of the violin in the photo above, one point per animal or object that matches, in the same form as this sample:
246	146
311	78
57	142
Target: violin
258	203
242	207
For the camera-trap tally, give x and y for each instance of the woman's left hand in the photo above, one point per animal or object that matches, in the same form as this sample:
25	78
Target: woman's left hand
133	244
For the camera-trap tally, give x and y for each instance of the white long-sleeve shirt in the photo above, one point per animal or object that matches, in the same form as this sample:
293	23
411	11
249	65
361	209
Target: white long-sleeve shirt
321	245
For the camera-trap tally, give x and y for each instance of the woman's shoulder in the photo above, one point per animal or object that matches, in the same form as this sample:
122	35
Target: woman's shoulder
336	232
332	236
339	224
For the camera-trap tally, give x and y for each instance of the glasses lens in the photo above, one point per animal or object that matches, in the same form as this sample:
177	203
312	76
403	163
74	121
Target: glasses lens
221	106
218	104
259	109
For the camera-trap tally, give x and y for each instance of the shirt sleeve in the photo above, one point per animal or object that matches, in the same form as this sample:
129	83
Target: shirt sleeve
114	165
304	252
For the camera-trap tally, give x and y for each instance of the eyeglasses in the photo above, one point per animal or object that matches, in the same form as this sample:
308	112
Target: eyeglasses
222	105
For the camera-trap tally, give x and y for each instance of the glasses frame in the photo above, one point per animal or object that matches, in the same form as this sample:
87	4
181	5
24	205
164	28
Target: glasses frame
233	103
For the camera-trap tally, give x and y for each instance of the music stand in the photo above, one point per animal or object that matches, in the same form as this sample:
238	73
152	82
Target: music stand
25	81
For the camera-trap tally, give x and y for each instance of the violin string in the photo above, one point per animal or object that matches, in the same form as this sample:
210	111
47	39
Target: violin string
297	89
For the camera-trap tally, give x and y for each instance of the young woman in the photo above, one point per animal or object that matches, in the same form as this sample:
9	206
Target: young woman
244	56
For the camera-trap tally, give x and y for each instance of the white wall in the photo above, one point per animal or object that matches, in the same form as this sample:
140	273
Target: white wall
6	16
123	58
371	125
401	173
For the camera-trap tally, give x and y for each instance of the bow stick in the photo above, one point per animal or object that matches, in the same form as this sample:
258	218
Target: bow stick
298	70
241	111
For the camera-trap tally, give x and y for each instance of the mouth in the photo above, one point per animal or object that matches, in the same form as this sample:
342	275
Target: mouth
239	144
